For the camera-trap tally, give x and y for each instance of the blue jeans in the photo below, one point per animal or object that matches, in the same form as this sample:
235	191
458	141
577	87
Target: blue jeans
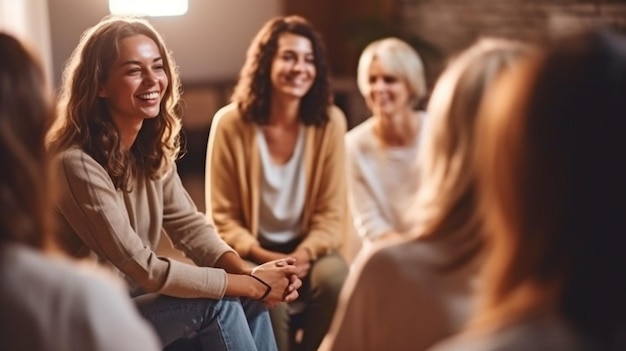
319	293
229	324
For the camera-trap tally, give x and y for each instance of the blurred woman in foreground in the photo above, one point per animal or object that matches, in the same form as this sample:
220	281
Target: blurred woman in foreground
47	303
552	177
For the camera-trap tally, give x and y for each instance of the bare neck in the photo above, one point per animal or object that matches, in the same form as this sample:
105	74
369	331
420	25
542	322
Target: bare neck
284	112
128	134
397	130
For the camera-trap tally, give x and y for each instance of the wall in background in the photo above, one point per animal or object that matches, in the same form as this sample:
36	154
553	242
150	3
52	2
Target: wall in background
208	42
449	26
28	20
441	28
353	24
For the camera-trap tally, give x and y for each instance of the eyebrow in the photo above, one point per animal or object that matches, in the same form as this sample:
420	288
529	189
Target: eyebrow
295	51
137	62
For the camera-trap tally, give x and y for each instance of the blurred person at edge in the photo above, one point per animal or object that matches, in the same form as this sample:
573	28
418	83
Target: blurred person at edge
48	301
551	173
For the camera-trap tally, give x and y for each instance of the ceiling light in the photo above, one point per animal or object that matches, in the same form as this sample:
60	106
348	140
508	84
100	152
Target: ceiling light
149	7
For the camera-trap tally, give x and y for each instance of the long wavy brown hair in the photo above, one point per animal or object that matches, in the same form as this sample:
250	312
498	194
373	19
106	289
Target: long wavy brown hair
84	118
253	91
25	115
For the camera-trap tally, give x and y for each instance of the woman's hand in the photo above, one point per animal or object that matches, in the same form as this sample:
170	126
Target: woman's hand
303	262
281	276
261	255
294	281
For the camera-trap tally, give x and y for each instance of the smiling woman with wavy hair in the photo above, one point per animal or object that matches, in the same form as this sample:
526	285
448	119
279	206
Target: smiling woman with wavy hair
116	144
85	121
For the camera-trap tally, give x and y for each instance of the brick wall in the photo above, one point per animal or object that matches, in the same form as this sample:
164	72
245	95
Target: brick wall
448	26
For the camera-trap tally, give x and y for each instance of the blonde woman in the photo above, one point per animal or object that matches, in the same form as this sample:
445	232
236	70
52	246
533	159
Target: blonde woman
382	151
409	295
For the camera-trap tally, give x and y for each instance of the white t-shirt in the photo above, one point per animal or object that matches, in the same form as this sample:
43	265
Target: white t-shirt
282	193
382	182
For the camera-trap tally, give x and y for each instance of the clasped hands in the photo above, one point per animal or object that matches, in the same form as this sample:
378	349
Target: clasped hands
281	280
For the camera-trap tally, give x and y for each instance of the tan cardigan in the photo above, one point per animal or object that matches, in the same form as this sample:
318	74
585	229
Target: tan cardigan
233	182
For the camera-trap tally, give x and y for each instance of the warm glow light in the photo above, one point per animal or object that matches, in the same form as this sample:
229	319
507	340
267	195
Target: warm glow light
149	7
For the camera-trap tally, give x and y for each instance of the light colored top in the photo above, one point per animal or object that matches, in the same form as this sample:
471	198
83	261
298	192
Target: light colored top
282	193
383	181
543	333
49	303
233	182
398	297
122	229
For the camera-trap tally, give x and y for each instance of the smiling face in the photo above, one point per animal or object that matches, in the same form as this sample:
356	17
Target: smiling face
293	68
136	83
388	93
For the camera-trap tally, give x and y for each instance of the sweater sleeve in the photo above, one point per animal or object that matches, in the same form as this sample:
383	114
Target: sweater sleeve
327	229
90	204
190	230
224	181
366	213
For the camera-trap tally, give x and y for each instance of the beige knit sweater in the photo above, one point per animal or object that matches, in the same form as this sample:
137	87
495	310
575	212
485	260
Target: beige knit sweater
122	229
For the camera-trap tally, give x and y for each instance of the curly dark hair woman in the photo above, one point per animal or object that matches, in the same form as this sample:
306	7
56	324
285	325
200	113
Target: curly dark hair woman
252	92
279	145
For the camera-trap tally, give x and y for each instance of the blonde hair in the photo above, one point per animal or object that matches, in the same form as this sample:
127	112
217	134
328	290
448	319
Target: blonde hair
400	59
447	204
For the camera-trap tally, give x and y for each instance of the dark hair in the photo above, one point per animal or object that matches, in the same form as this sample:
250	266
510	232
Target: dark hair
85	121
25	115
554	175
253	90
